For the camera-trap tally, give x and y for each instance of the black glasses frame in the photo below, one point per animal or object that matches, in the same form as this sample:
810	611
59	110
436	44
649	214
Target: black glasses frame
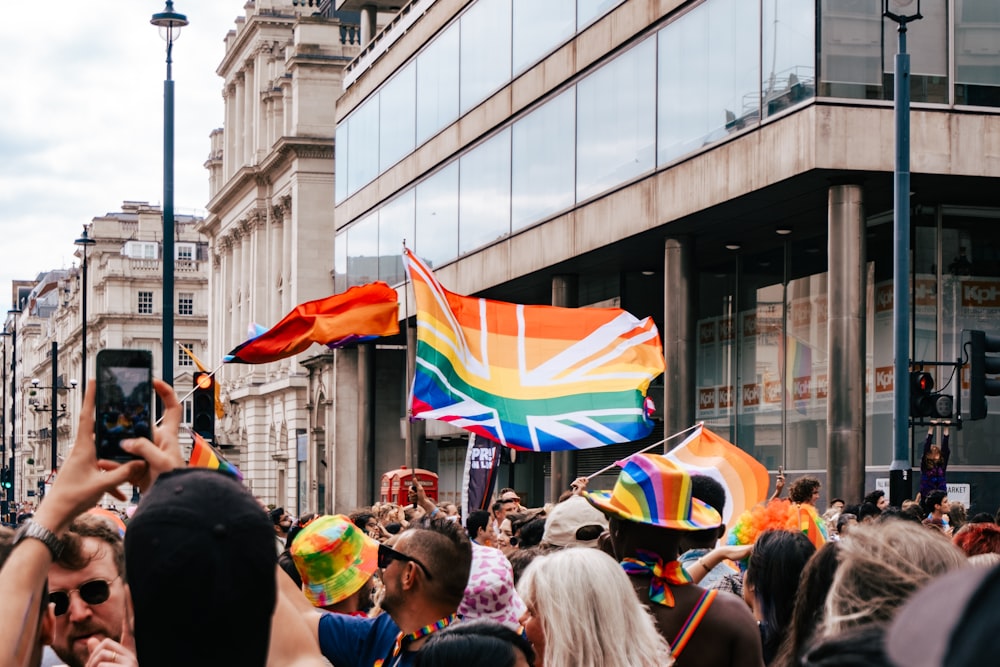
93	592
387	554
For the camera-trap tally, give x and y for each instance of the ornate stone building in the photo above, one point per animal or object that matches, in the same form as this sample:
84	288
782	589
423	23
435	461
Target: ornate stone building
270	224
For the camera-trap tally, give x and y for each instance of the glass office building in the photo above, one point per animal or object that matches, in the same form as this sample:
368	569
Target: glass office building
725	166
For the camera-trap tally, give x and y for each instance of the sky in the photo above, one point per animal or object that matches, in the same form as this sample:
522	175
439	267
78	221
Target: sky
81	119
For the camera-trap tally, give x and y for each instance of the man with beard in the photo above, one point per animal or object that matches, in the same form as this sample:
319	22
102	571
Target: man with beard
424	575
89	594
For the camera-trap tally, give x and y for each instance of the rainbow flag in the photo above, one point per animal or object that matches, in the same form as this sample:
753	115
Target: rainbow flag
363	311
744	477
537	378
203	455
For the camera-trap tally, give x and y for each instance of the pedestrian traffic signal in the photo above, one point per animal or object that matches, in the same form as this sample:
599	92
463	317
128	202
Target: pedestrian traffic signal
203	403
980	364
924	401
7	477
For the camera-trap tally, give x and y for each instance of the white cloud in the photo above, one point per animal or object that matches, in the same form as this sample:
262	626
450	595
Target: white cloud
81	119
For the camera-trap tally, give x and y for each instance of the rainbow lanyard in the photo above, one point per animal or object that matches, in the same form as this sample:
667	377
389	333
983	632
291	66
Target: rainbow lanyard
661	574
403	640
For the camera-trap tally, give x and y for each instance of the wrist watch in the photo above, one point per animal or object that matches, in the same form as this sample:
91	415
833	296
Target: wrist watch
40	533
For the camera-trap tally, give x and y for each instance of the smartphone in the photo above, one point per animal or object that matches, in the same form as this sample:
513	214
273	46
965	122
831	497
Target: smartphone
124	400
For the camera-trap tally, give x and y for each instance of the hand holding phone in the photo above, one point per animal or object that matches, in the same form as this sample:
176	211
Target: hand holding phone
124	400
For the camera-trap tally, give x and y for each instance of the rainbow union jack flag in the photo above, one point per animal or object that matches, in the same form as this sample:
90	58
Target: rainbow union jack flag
537	378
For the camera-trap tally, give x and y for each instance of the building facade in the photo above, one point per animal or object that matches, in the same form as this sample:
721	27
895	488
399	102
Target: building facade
724	166
123	292
271	190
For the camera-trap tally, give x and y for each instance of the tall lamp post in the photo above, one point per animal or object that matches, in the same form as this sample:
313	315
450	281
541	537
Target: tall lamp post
900	472
85	242
170	23
4	507
13	408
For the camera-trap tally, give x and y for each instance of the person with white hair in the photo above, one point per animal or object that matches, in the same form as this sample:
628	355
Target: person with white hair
587	621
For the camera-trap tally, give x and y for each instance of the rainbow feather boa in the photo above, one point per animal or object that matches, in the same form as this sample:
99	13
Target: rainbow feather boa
778	514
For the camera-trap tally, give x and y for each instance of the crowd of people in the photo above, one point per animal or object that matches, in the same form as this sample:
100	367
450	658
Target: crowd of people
643	574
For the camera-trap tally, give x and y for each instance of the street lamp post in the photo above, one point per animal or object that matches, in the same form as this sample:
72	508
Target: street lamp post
13	407
85	242
170	23
900	473
3	429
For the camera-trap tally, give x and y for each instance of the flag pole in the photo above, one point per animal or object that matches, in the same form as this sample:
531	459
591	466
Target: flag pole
409	453
655	444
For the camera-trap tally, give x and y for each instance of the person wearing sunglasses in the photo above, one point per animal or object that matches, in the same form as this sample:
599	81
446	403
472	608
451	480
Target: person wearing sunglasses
88	594
424	574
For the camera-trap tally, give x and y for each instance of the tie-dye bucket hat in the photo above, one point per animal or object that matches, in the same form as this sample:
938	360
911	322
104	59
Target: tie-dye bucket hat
334	558
654	490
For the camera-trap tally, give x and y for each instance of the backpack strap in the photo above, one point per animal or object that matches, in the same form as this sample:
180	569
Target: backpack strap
694	619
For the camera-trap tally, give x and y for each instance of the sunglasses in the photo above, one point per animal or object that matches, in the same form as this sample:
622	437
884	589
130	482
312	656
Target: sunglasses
93	592
387	554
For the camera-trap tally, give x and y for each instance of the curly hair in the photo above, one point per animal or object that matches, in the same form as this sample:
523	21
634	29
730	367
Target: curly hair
881	566
802	489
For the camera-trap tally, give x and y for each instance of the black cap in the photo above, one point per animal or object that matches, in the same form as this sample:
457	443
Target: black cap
200	557
951	622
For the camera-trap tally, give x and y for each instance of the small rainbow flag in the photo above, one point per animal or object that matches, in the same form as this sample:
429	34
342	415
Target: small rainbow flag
537	378
203	455
360	313
744	477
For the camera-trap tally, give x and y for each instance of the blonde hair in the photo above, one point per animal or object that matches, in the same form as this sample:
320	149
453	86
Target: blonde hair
881	566
589	612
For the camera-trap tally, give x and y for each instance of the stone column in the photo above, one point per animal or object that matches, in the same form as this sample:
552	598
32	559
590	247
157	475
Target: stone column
845	408
565	290
678	336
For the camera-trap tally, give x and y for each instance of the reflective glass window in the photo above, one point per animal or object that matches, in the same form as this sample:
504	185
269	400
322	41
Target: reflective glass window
397	124
340	162
616	121
485	51
539	27
588	11
484	193
977	52
437	84
788	53
362	251
436	238
851	49
709	80
340	262
927	44
395	225
543	150
362	146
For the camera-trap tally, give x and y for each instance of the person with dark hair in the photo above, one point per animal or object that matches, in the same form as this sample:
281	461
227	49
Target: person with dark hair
934	463
366	521
530	533
698	544
282	524
868	512
807	612
424	575
771	582
478	527
844	523
878	499
862	646
93	556
804	491
935	504
650	508
981	517
480	642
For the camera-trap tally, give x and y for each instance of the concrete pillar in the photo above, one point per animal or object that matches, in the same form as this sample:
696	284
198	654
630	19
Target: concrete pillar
369	24
678	336
845	408
564	293
366	417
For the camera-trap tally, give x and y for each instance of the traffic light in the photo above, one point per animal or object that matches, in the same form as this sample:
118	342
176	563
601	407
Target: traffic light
7	478
924	401
203	403
980	365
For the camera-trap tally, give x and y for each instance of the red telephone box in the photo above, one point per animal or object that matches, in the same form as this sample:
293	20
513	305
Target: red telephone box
396	484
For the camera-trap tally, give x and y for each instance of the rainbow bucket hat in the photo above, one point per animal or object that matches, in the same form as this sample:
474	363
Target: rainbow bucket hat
654	490
334	558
